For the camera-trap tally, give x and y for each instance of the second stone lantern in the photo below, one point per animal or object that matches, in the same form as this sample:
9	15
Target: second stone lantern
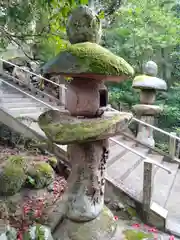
148	84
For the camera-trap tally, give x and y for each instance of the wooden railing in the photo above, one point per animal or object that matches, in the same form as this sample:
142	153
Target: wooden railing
174	149
30	87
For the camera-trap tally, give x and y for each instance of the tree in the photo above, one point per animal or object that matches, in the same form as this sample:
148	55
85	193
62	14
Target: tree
41	23
34	22
144	30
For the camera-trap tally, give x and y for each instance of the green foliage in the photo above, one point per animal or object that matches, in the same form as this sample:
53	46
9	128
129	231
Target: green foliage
123	93
140	30
40	23
136	235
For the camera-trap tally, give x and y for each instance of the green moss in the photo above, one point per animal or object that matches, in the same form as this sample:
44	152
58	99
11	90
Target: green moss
11	178
142	78
100	60
63	133
42	174
87	58
136	235
52	161
132	212
17	160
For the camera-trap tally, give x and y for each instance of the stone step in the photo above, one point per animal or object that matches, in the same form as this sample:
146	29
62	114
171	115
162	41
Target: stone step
173	201
23	110
137	176
121	169
18	99
7	89
21	104
34	115
163	182
12	95
117	151
111	143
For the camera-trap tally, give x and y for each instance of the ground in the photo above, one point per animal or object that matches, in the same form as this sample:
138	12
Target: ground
35	195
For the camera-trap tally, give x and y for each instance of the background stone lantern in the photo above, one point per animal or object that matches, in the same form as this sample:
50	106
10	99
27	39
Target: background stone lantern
146	111
85	128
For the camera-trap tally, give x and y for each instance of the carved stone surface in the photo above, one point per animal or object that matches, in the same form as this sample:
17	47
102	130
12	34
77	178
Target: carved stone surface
82	98
147	96
151	68
145	134
65	129
146	110
148	82
84	25
87	181
104	227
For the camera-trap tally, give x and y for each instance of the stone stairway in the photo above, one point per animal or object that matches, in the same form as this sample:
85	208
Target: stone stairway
19	110
125	172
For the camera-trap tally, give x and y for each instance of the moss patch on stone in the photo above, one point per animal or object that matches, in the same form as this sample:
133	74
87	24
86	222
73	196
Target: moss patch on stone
41	175
132	212
79	129
12	179
142	78
17	160
100	60
53	161
88	58
136	235
149	82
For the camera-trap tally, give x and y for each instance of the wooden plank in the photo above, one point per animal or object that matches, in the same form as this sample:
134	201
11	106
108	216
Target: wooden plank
147	186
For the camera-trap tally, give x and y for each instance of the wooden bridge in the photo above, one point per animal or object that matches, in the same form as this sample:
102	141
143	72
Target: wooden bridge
147	176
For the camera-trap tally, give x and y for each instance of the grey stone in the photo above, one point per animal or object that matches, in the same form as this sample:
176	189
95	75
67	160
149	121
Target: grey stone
9	234
151	68
84	25
121	206
147	110
148	82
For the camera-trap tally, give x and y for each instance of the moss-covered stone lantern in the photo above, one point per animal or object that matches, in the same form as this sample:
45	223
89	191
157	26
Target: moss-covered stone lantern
86	127
148	84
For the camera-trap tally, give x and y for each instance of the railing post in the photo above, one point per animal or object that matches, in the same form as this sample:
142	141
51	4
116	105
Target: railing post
147	190
172	146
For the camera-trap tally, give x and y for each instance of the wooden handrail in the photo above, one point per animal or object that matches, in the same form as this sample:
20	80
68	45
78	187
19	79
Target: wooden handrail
29	95
37	75
147	159
149	125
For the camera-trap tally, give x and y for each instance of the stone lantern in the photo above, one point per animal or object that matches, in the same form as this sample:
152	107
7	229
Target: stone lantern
86	127
148	84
